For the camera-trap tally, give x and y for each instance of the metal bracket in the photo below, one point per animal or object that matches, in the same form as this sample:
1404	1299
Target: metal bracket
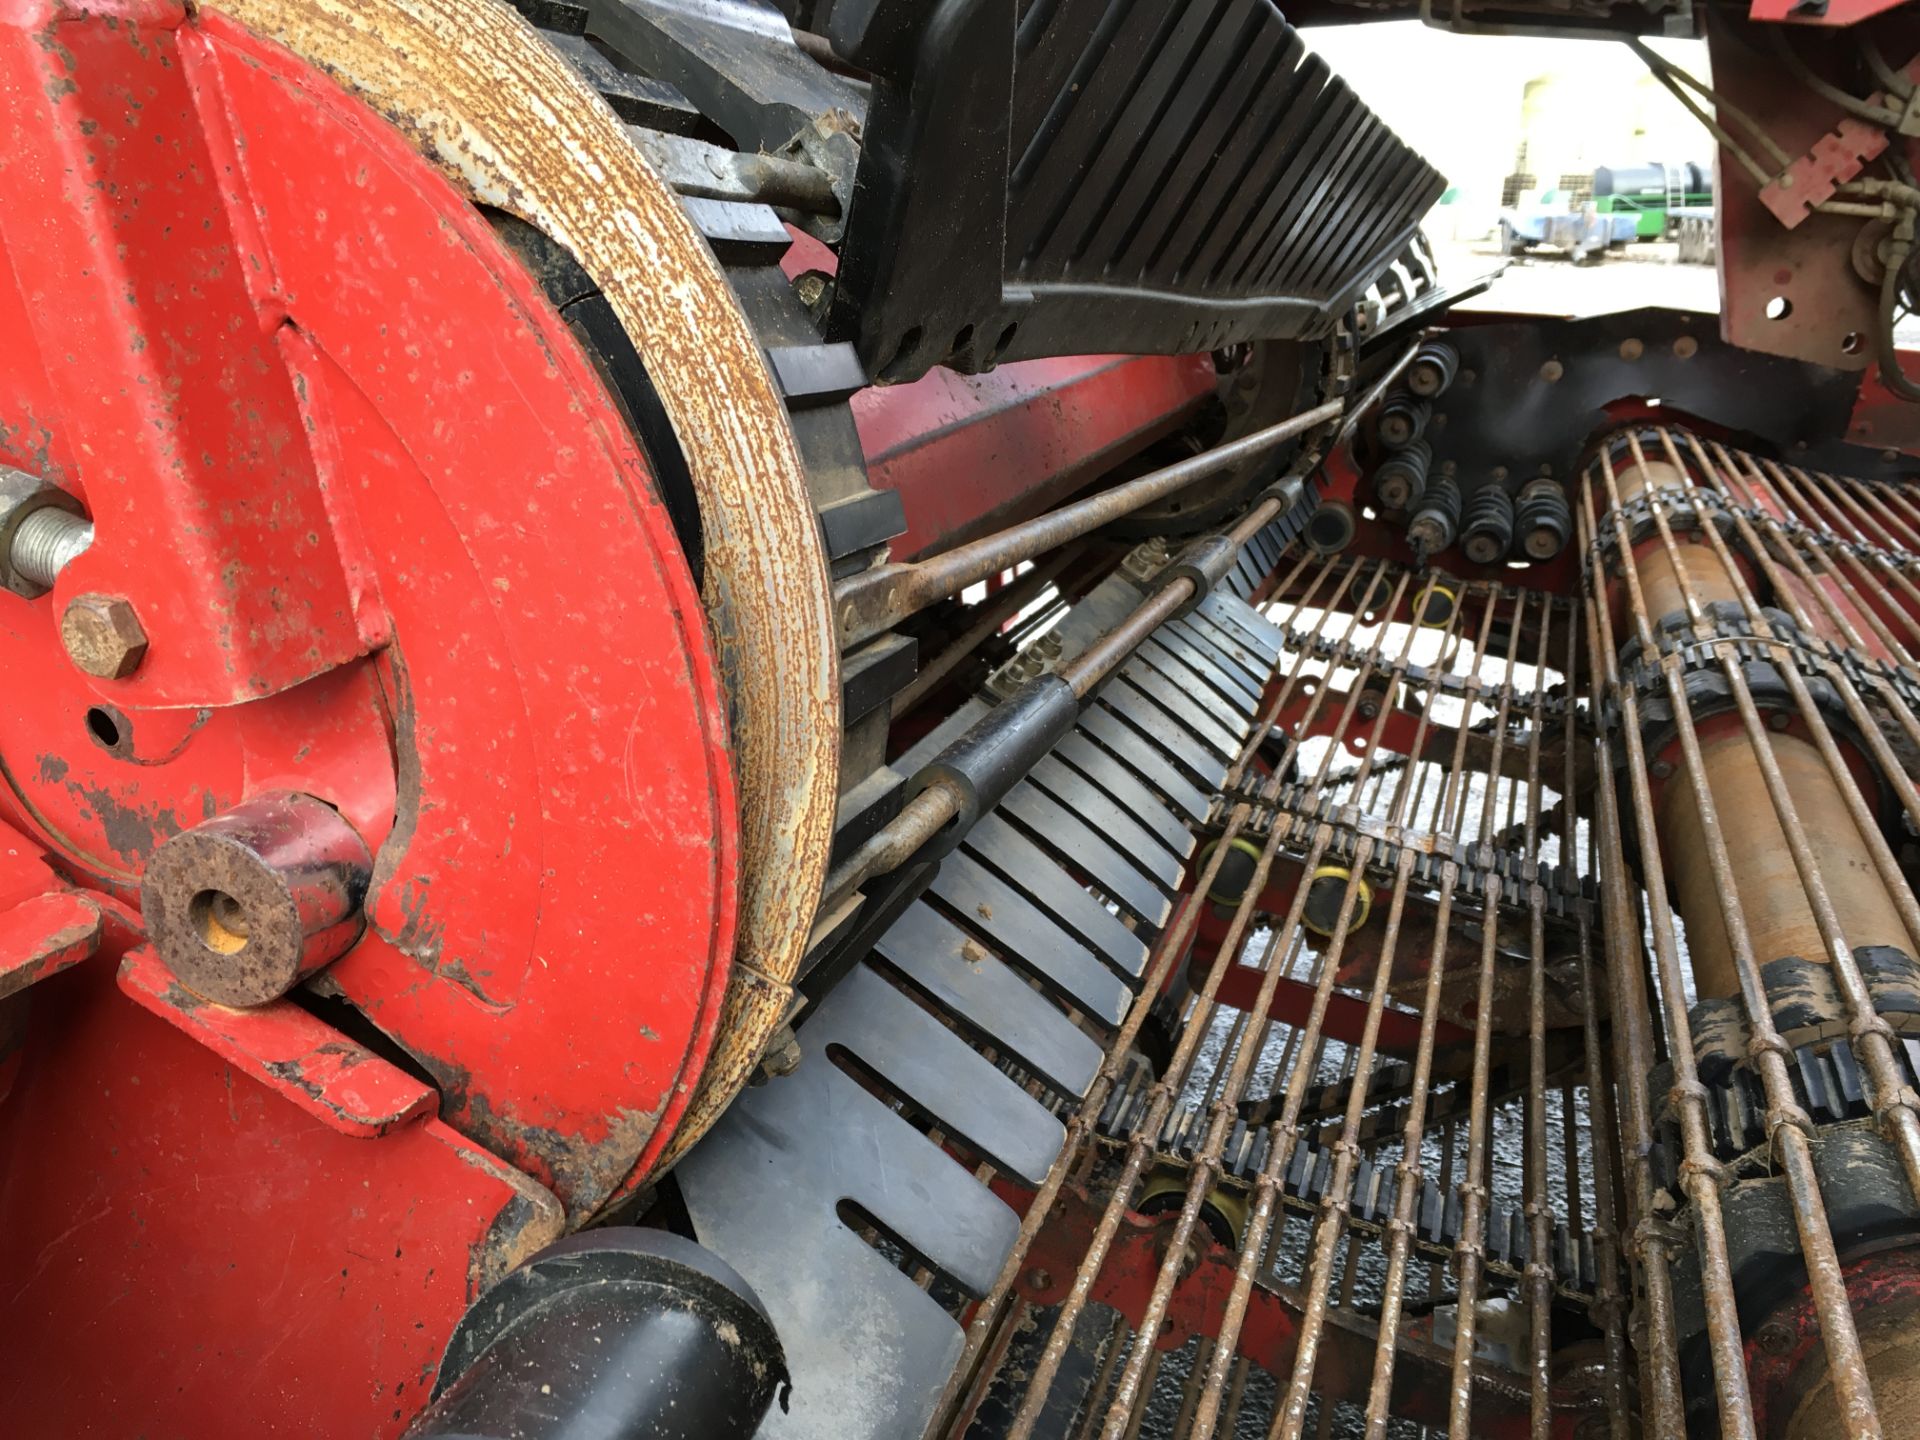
736	60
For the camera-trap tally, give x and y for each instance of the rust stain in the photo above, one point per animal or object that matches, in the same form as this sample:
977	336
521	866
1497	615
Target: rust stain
582	1171
52	953
531	1220
131	833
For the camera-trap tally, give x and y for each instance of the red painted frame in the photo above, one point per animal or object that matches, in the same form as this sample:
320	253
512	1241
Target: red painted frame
394	546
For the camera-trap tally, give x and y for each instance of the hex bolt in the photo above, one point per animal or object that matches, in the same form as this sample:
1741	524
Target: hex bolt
41	530
782	1055
245	906
103	636
46	542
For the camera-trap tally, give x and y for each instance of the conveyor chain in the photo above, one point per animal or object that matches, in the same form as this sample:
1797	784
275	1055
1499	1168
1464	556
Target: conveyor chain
1370	1197
1346	653
1828	1081
1567	895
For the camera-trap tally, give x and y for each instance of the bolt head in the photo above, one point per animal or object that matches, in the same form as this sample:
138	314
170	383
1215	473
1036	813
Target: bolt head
782	1055
103	637
22	493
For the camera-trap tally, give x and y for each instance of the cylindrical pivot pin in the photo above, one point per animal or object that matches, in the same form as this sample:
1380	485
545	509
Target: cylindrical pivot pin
247	905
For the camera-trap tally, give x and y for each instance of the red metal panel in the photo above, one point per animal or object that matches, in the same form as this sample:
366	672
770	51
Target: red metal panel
1783	292
180	425
343	1085
1832	13
1882	419
230	1264
537	752
969	454
42	936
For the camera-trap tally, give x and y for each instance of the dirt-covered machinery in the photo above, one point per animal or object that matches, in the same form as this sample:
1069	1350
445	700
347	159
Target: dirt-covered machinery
867	719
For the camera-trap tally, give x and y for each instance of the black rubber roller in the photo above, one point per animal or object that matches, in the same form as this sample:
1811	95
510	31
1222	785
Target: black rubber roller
1401	478
1370	588
1486	525
1543	519
1236	872
1433	369
1403	418
1331	527
1435	524
611	1332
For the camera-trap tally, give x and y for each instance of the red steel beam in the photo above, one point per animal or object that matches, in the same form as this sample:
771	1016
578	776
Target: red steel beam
969	454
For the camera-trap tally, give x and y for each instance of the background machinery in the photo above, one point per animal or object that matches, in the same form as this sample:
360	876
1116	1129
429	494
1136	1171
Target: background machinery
864	719
1653	194
1619	204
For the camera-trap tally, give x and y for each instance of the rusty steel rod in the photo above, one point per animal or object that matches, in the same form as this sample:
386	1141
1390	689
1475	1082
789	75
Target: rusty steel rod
1291	1413
878	599
989	615
932	809
1221	1113
895	843
1166	952
1790	1127
1633	1039
1892	1101
1702	1174
1608	1301
1470	1245
1491	820
1167	1086
1833	622
1538	1276
1788	1124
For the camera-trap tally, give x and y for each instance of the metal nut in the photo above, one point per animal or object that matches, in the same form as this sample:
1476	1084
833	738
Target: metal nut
22	493
782	1055
103	636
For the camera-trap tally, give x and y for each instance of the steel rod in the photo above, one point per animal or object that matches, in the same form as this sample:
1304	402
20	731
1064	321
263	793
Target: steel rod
1170	946
989	615
878	599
